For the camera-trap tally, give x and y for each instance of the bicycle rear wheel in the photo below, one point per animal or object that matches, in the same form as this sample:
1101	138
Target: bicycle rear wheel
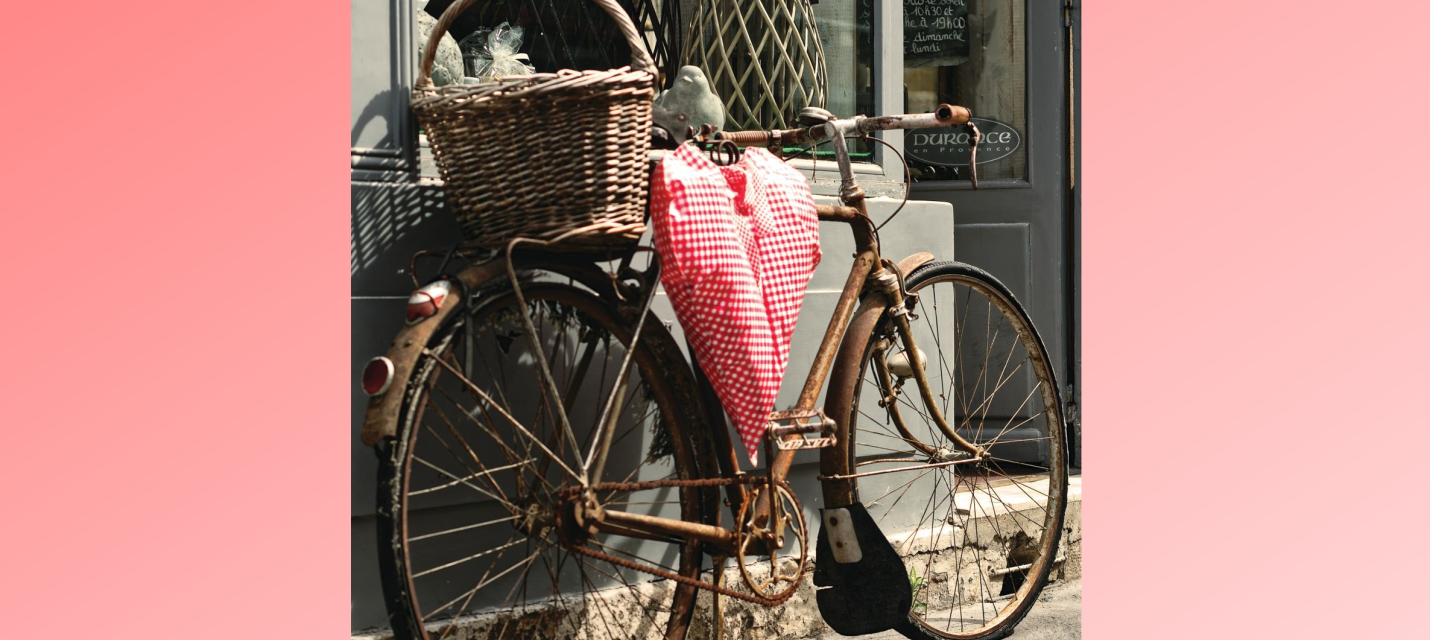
470	511
978	538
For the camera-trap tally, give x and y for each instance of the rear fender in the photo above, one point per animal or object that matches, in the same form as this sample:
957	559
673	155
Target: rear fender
381	419
382	410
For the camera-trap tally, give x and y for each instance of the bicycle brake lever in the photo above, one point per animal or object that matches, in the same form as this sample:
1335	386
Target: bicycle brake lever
973	137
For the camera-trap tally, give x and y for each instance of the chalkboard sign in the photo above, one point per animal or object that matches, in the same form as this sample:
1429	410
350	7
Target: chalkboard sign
935	33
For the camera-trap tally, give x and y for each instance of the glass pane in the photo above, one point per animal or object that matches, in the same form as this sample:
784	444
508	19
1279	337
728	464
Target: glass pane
846	31
969	53
845	38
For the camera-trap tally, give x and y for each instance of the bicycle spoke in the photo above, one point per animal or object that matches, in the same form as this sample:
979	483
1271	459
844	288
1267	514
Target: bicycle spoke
1013	512
905	400
1025	464
907	485
515	423
1009	426
500	386
530	560
886	493
489	427
449	565
654	604
1021	439
988	400
465	528
484	473
865	445
943	363
934	521
554	593
601	607
1001	381
459	481
1022	487
958	565
885	433
464	483
485	580
959	330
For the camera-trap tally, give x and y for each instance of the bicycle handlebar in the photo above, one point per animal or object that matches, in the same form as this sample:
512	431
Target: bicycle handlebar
945	115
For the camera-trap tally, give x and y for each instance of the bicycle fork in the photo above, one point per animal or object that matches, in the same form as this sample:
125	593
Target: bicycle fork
899	312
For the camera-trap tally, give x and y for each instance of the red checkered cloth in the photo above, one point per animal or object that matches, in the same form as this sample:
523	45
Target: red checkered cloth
737	246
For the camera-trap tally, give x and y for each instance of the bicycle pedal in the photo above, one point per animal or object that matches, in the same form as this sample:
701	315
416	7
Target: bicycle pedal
800	422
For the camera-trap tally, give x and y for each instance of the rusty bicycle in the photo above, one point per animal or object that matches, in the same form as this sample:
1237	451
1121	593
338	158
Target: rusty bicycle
552	465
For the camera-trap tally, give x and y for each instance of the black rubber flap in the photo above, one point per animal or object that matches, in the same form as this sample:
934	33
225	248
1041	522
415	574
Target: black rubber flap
867	596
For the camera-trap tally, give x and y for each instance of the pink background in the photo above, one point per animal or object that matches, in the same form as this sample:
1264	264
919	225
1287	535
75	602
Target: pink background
175	249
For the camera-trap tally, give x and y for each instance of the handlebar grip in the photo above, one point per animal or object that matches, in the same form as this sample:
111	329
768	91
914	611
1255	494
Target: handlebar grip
946	115
748	138
951	114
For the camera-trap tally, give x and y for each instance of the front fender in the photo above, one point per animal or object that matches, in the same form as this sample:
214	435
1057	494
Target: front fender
907	265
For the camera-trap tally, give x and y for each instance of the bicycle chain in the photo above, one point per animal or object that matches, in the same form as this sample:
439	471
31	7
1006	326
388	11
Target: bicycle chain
661	573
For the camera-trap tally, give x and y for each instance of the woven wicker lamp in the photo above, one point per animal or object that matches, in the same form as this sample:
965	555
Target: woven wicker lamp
763	57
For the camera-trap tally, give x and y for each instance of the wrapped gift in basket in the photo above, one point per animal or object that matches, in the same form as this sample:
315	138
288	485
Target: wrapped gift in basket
548	156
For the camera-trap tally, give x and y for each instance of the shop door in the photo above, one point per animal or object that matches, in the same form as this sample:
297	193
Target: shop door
1006	61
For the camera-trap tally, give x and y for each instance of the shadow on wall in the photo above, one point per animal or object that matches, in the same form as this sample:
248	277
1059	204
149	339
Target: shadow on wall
390	222
379	107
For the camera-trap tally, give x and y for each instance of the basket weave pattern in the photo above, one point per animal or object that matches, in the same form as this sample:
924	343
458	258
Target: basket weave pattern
545	155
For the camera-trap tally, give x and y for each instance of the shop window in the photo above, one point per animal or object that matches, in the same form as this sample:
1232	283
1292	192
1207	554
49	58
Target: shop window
970	53
847	32
966	52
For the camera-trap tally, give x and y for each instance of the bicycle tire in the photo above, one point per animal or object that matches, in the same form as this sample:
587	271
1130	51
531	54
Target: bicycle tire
943	577
410	594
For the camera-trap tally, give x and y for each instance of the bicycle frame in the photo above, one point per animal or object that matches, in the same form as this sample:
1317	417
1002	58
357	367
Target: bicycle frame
878	282
881	288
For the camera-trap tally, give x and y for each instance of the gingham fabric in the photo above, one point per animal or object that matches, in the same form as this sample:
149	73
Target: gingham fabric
737	246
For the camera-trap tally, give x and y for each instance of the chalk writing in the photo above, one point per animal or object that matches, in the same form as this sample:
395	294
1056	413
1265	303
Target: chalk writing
935	32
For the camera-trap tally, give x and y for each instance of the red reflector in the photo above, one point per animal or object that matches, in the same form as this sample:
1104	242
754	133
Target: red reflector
377	375
424	302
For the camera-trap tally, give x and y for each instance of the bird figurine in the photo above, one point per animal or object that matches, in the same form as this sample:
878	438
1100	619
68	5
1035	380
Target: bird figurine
689	103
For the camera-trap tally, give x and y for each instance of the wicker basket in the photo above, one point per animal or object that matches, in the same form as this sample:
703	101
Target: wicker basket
547	155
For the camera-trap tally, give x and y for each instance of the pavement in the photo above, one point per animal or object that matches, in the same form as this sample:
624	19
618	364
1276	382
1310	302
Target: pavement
1056	616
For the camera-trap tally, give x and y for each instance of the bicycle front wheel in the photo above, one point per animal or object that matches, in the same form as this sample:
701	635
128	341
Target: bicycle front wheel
979	537
475	522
